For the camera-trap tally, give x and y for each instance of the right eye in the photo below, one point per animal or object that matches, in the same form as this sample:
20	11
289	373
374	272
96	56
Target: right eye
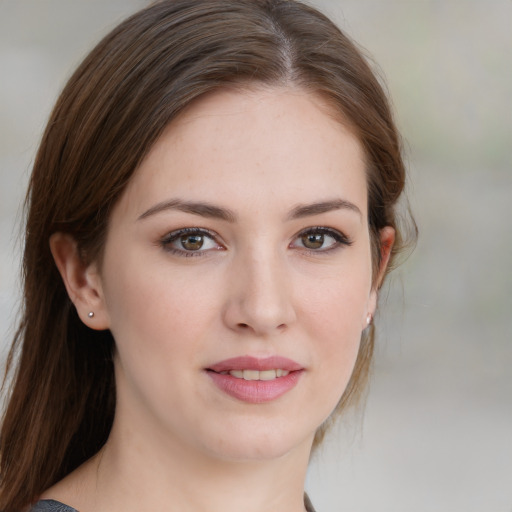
190	242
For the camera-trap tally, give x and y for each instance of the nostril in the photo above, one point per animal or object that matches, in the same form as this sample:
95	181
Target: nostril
243	326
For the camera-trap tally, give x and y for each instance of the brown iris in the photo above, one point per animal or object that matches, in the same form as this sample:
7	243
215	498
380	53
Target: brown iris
313	240
192	242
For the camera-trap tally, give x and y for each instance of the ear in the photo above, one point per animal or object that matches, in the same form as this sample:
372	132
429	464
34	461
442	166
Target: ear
82	281
386	241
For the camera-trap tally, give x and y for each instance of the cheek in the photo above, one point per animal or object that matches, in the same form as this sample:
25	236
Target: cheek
335	325
332	311
157	301
159	321
335	304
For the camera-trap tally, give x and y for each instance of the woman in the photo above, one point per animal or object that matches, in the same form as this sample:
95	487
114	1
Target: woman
210	216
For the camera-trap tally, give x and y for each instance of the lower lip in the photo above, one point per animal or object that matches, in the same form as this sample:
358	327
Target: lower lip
255	391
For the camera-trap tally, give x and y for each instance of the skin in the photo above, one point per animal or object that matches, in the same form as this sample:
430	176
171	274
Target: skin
253	288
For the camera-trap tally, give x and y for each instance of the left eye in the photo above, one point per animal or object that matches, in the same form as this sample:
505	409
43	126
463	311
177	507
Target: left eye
189	241
320	239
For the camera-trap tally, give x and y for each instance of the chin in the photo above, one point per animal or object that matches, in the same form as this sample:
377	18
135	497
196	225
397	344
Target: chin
250	443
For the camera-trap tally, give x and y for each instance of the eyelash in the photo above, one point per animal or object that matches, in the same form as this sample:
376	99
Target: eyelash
340	240
176	235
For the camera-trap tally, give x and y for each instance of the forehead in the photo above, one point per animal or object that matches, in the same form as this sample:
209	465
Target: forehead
237	146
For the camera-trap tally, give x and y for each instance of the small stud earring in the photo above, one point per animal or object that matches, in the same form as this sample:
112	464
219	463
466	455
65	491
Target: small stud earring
91	314
369	319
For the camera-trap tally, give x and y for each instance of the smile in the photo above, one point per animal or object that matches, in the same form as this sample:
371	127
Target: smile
257	374
255	380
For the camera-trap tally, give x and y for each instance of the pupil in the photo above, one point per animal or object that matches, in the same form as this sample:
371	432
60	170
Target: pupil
313	241
192	242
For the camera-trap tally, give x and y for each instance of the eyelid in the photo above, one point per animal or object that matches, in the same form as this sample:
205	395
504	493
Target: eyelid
340	240
172	236
336	234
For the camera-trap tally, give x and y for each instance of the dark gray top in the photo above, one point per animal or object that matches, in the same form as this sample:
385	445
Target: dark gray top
51	506
57	506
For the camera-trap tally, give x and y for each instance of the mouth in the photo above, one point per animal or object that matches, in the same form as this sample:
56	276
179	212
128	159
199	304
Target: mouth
257	374
255	364
255	380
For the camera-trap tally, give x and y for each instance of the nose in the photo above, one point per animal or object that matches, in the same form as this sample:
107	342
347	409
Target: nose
259	299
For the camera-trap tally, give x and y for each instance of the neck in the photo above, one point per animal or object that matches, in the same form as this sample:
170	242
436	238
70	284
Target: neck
141	474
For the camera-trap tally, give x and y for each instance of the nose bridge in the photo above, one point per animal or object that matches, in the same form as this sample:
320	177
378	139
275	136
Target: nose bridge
260	298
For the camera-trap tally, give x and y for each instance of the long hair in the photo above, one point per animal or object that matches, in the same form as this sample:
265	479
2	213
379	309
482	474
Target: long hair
111	112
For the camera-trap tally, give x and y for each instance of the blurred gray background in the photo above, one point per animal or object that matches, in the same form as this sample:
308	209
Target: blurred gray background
437	428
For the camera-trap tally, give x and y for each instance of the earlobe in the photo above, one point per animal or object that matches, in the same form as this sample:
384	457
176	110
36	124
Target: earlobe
82	281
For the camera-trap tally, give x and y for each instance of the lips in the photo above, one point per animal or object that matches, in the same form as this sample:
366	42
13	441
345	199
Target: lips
255	363
255	380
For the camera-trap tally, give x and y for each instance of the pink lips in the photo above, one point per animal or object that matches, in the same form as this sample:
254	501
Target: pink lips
255	391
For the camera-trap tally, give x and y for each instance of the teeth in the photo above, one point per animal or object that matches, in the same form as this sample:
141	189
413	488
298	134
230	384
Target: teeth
258	375
268	375
251	375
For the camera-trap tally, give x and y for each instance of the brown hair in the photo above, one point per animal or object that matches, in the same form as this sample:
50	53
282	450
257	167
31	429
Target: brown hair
111	112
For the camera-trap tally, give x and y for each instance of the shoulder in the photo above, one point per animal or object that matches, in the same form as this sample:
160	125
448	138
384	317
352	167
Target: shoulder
51	506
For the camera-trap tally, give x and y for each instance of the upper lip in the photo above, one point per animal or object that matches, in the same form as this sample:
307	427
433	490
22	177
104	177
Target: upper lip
255	363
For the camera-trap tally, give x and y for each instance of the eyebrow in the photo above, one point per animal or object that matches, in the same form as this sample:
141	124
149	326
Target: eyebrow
306	210
196	208
216	212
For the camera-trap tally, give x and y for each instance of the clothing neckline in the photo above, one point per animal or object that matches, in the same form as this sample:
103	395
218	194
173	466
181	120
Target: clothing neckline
66	508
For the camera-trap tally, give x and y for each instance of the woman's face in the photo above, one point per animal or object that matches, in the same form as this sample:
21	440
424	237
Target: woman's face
236	276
